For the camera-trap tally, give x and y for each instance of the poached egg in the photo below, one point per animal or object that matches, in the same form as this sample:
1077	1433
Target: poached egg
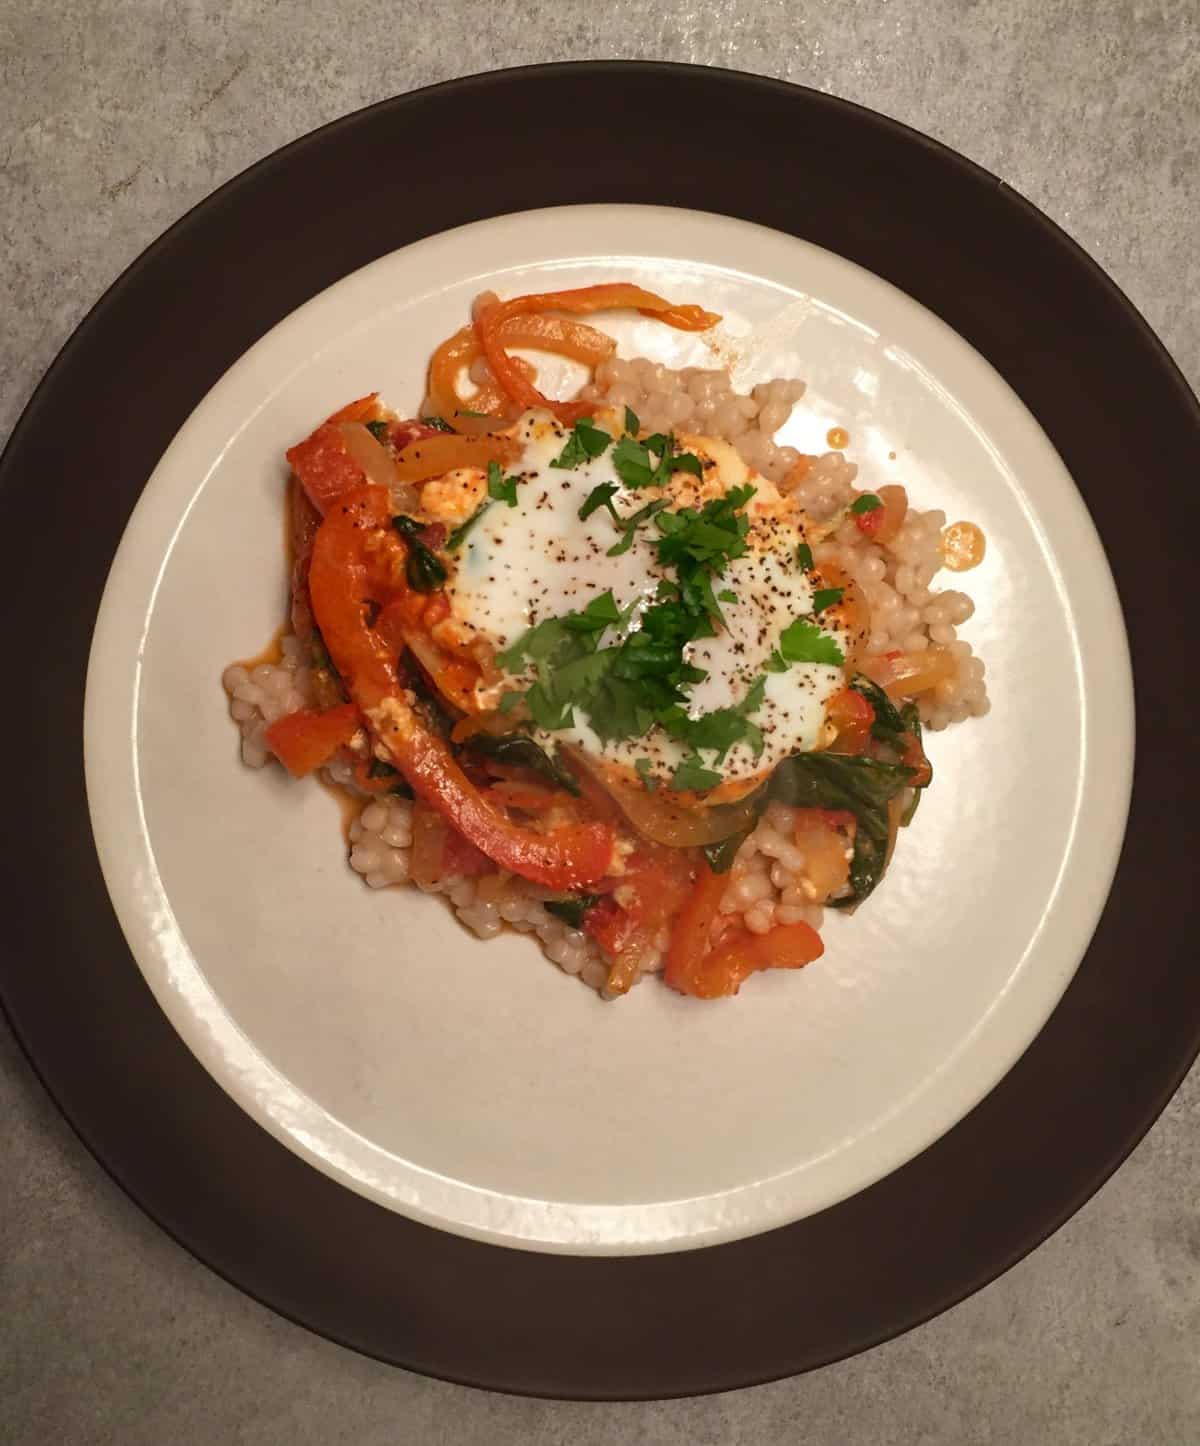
522	564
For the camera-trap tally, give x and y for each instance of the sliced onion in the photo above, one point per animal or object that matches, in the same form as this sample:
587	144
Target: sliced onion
663	818
907	675
453	679
446	452
371	456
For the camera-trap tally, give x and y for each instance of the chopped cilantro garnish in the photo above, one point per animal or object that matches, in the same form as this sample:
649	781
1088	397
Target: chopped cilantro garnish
645	773
631	523
868	502
641	677
586	440
458	535
825	597
600	496
719	730
439	424
424	570
636	467
501	488
687	462
727	595
623	688
378	430
599	614
691	774
632	425
632	462
804	642
804	557
699	543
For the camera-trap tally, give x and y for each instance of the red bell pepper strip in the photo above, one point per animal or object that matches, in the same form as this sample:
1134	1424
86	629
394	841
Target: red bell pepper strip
325	469
741	953
304	740
707	970
691	936
852	715
358	559
581	301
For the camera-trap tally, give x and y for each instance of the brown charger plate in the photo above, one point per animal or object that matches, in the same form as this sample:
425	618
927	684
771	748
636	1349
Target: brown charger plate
1030	1154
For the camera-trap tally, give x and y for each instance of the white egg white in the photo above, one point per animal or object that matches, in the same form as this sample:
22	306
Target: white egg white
520	565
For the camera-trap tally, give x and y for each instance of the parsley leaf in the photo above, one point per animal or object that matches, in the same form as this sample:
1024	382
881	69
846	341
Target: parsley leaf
645	773
868	502
586	440
698	543
636	467
825	597
439	424
459	534
631	459
632	425
600	496
719	730
378	430
804	642
501	488
630	525
804	557
691	774
599	614
727	595
687	462
546	711
640	678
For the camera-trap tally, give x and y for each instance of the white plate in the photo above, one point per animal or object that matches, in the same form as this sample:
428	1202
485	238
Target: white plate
473	1086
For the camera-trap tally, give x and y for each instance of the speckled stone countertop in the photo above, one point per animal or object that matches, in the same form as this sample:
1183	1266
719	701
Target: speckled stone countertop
118	115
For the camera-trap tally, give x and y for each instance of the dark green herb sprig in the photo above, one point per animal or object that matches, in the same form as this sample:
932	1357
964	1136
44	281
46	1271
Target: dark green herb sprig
424	570
803	642
825	597
500	489
586	441
650	463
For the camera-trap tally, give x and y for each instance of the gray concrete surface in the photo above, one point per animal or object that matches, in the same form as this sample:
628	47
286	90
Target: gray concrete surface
115	117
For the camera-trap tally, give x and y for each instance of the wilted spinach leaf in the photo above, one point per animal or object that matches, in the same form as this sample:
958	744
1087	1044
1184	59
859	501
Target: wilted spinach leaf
859	784
519	750
573	909
720	856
